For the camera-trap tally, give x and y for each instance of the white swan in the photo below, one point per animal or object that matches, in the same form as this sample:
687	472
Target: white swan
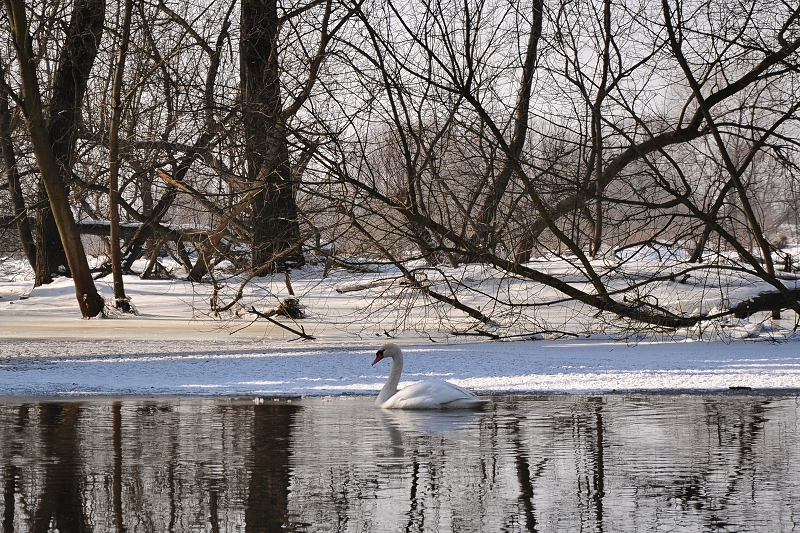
424	395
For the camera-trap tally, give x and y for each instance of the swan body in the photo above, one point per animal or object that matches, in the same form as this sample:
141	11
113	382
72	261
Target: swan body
423	395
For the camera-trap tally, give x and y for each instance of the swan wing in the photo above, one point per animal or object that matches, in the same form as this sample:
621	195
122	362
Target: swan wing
434	395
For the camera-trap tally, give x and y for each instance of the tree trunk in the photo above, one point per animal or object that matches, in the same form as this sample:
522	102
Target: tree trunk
14	184
485	224
597	134
69	85
90	302
51	259
121	301
276	231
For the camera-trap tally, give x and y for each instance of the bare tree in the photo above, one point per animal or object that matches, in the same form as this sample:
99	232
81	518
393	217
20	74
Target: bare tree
266	112
434	137
617	151
54	142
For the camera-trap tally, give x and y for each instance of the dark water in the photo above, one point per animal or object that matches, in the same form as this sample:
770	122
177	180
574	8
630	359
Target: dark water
565	463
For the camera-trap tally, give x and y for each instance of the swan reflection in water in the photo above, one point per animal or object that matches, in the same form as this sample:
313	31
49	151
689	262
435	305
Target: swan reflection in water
422	423
422	395
405	425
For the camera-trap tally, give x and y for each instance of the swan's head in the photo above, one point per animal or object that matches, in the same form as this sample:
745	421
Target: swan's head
389	349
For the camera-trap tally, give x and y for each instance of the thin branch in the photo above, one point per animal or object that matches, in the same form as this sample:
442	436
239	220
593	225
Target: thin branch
268	316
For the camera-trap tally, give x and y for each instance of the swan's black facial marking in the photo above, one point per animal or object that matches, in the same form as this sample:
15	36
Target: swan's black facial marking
378	357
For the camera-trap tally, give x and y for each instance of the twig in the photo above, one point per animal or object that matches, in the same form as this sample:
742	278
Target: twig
561	334
268	316
478	333
288	281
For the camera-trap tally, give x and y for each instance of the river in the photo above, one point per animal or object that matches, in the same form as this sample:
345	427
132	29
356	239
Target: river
613	462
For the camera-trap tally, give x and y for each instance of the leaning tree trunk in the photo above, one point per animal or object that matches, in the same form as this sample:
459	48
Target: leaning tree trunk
69	86
276	230
90	302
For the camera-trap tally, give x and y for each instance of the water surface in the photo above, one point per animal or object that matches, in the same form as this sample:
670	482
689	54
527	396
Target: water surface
531	463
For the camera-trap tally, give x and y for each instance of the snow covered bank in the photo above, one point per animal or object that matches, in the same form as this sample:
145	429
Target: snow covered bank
175	347
254	368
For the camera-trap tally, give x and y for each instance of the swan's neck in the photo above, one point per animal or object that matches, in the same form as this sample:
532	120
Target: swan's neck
390	388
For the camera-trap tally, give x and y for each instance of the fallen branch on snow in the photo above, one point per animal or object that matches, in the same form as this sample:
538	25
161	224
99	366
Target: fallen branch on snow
283	309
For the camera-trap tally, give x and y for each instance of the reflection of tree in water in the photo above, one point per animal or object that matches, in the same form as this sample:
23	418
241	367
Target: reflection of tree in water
525	477
11	472
587	437
598	479
9	489
116	482
613	463
268	495
60	500
729	469
416	511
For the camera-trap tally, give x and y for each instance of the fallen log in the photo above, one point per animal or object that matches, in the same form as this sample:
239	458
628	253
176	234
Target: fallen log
765	301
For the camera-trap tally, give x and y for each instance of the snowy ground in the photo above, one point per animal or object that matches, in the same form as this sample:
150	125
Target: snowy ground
174	347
